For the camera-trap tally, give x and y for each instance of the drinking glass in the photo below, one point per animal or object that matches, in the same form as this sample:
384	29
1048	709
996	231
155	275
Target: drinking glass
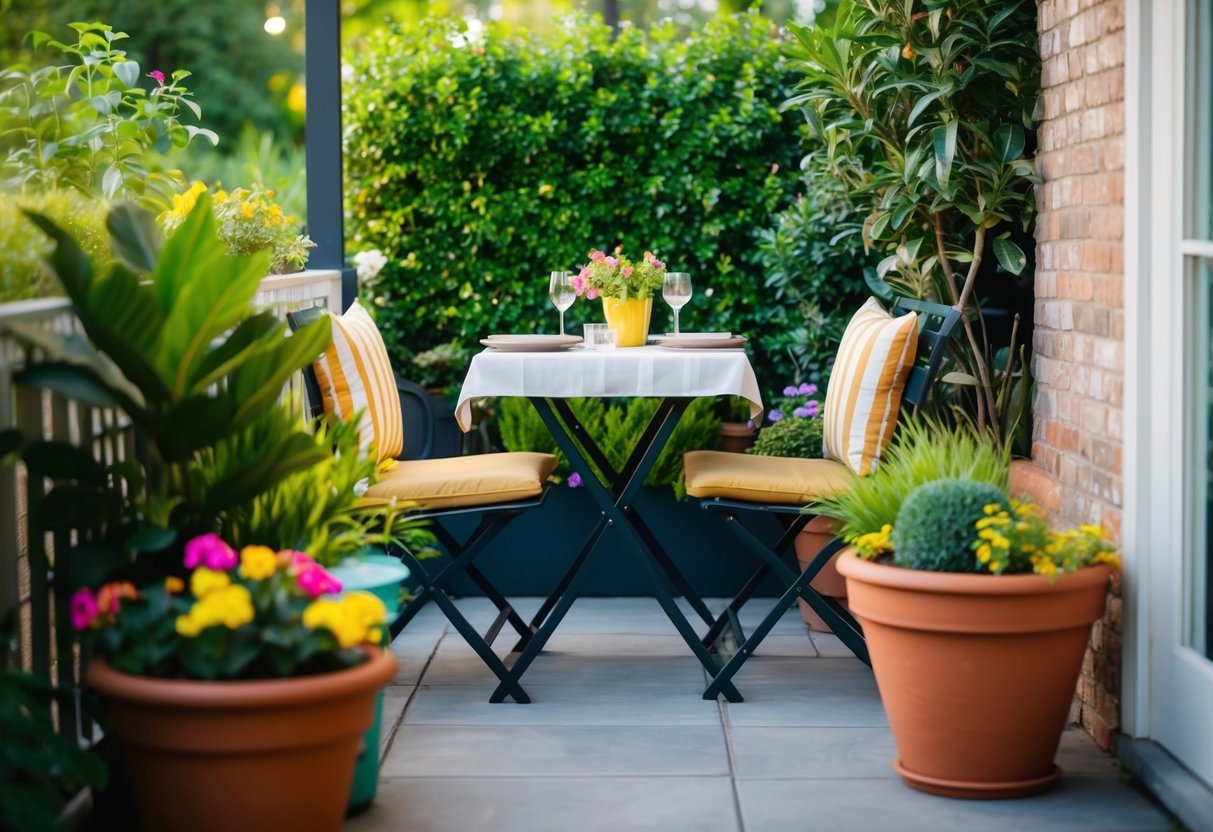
676	291
562	293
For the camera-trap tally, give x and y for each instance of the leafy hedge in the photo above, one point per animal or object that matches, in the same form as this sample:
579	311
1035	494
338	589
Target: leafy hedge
478	164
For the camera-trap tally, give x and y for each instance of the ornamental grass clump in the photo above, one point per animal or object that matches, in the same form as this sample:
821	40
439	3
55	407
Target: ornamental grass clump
253	614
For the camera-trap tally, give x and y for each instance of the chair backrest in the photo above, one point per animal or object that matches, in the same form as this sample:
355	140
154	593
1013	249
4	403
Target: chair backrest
311	385
935	324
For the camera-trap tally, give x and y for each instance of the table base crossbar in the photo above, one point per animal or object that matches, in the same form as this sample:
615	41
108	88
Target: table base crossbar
615	494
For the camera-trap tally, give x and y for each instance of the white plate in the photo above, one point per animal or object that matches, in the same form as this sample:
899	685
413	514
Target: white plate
701	341
531	343
715	336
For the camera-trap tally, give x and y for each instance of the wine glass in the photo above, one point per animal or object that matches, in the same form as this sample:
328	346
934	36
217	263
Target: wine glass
677	292
562	293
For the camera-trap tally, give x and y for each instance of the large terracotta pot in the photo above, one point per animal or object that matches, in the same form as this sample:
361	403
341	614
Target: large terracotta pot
976	672
812	539
266	754
629	319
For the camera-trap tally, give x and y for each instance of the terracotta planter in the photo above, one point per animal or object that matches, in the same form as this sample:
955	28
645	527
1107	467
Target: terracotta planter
812	538
629	319
976	672
267	754
737	437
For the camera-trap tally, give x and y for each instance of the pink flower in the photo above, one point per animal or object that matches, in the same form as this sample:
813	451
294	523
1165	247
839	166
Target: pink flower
210	551
596	255
658	264
315	580
574	480
579	285
157	76
627	271
591	293
611	261
584	274
84	609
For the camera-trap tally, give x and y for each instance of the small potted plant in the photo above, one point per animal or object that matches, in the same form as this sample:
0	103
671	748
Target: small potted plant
737	429
247	660
626	289
248	221
975	611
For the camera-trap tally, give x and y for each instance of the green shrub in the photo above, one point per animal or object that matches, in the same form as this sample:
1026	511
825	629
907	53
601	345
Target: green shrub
935	527
615	428
478	166
922	451
790	437
23	245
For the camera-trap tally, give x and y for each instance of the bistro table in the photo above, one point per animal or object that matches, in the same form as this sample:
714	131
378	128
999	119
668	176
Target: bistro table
549	380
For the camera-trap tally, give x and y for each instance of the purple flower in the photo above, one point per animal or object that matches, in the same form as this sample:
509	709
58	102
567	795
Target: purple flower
157	76
812	408
774	415
802	413
807	389
574	480
210	551
790	391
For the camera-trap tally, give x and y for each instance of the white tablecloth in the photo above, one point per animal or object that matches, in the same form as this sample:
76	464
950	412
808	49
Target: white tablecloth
632	371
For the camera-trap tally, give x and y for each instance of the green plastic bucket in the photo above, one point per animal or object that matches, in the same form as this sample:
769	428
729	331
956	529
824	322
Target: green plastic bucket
381	575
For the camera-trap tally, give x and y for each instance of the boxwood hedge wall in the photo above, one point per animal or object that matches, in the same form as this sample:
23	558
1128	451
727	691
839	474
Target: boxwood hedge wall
479	163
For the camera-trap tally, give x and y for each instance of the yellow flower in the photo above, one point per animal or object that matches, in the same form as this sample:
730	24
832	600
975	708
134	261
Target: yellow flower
356	619
205	581
188	626
246	211
257	562
220	196
991	508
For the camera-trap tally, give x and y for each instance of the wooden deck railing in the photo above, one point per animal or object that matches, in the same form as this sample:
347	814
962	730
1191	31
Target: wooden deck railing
27	597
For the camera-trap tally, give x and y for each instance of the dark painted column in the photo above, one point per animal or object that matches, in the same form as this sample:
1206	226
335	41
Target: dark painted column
322	30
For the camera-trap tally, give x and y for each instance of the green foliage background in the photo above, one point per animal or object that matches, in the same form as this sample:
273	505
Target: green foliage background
479	166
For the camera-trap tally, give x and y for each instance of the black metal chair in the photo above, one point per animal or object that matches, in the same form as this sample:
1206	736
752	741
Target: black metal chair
936	323
459	479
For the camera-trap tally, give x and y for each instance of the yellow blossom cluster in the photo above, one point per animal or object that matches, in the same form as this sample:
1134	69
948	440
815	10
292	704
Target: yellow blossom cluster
358	618
219	603
257	562
1021	537
873	544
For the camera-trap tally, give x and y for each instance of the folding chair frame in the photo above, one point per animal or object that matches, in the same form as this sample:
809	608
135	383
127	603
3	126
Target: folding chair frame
463	554
936	324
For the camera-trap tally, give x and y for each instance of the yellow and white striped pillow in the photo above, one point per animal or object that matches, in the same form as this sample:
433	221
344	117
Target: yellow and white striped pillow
874	359
356	375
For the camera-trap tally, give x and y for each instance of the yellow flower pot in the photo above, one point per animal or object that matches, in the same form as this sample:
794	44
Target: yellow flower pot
629	319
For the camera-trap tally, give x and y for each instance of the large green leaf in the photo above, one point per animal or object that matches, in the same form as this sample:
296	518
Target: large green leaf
77	382
944	141
69	263
135	238
252	336
1010	256
193	424
291	454
125	322
257	383
1009	142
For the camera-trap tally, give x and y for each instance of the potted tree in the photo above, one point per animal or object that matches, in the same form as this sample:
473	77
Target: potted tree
171	339
976	615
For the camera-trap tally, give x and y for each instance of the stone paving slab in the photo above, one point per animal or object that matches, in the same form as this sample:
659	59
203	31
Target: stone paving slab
619	738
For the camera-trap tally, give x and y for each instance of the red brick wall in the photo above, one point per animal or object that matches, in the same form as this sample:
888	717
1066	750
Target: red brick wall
1078	342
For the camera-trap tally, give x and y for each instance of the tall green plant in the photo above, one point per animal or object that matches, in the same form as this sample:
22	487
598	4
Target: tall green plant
171	339
90	124
926	110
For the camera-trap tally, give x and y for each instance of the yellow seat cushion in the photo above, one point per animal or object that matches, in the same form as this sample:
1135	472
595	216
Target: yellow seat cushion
458	481
764	479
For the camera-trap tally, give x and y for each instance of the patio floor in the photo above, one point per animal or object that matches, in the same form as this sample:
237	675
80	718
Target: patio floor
618	738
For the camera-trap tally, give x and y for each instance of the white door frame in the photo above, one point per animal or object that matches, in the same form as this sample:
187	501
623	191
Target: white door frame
1164	691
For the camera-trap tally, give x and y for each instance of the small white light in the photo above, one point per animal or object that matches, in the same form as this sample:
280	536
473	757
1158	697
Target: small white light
275	25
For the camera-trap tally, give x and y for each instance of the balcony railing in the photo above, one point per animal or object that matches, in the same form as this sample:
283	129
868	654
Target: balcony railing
27	561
